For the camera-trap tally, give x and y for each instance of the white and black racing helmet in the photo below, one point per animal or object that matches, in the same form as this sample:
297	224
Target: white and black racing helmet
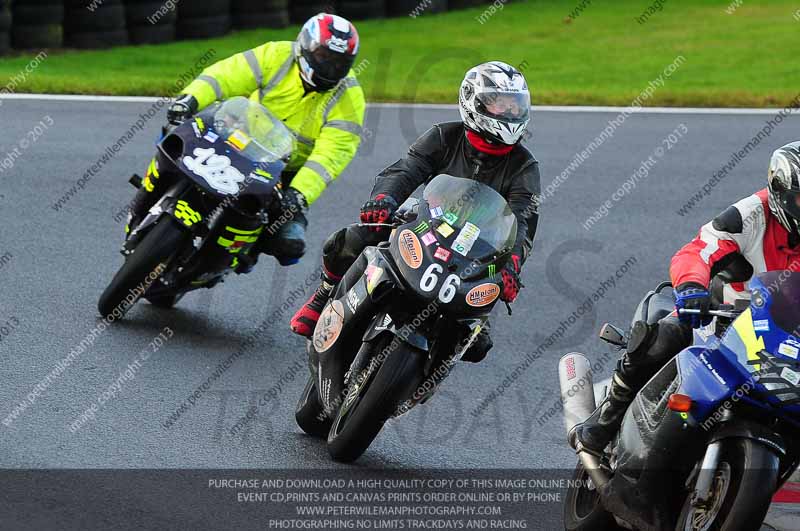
784	186
495	102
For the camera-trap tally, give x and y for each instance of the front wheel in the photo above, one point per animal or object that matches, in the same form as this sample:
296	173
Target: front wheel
310	415
142	268
372	397
582	508
741	491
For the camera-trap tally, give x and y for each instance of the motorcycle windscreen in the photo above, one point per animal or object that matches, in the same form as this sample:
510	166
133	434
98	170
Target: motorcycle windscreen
250	128
765	338
476	214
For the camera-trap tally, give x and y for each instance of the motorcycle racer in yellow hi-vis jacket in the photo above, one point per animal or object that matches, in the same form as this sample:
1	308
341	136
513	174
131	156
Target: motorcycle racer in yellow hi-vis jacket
309	84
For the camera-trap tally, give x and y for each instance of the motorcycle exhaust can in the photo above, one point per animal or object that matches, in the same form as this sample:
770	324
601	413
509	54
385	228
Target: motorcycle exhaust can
577	390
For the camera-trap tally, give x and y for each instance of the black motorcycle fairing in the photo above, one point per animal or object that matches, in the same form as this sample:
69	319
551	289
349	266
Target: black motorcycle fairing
652	447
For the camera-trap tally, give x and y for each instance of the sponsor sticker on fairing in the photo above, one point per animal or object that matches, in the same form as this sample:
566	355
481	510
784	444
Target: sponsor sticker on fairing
196	129
451	218
211	136
437	212
329	326
442	254
374	274
428	238
761	325
410	249
483	294
790	376
466	238
239	139
445	230
788	350
421	227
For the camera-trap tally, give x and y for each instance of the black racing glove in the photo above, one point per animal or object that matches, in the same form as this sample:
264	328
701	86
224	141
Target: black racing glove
293	202
182	108
379	209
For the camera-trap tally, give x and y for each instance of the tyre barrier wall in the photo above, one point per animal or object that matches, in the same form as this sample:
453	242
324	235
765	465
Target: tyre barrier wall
36	24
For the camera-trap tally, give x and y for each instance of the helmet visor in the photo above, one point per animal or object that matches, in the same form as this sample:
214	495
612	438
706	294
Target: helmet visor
328	65
789	200
511	107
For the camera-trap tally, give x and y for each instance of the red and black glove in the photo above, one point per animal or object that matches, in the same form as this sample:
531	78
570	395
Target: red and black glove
379	209
511	283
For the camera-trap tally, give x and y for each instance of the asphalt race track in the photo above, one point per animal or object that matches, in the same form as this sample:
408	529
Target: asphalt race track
55	263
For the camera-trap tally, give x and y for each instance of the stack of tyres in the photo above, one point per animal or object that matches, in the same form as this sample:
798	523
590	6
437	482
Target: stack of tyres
37	24
361	9
5	26
302	10
203	19
462	4
260	13
151	21
405	8
94	24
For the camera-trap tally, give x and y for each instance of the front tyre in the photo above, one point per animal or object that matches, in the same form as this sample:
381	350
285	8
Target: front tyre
152	254
582	508
371	400
309	414
741	491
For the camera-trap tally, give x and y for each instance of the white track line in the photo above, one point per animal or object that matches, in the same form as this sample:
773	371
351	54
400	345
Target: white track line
536	108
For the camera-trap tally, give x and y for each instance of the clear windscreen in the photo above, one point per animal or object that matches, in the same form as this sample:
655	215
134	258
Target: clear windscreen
466	204
250	128
784	289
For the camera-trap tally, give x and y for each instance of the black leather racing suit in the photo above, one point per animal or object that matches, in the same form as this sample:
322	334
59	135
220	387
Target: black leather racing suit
444	149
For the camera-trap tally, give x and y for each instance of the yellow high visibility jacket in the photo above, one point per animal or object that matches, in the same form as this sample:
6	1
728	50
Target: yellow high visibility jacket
327	126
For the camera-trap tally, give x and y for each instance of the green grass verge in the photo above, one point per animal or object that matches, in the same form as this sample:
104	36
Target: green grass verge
602	56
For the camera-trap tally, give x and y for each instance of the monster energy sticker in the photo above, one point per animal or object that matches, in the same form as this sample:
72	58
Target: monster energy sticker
422	227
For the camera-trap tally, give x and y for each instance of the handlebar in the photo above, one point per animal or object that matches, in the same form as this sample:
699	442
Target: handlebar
728	314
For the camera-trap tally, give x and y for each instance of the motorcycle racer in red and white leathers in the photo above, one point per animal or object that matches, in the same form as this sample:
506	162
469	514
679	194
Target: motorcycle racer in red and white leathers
757	234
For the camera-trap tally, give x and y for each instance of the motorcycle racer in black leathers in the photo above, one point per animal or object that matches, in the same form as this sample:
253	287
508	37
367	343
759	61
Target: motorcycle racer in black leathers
485	146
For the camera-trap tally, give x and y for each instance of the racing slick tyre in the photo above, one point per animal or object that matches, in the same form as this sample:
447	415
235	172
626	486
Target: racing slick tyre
25	36
203	27
403	8
309	411
582	509
5	26
744	482
370	402
154	252
300	11
355	10
464	4
260	13
38	12
101	27
202	20
150	22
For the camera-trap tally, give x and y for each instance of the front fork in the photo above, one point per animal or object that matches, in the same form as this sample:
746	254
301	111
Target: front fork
701	495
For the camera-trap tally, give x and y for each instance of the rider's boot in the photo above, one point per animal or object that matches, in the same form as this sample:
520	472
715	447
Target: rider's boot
597	431
650	347
305	320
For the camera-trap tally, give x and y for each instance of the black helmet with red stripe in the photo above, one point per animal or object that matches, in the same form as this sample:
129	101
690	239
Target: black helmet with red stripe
326	49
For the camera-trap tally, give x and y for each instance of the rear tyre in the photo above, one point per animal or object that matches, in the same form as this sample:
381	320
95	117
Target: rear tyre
155	250
309	411
582	509
742	490
370	403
